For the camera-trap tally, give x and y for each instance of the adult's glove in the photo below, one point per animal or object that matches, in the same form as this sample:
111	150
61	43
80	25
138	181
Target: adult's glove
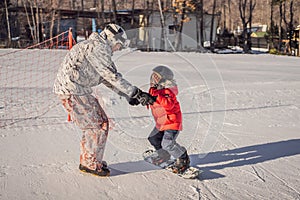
146	99
143	97
133	101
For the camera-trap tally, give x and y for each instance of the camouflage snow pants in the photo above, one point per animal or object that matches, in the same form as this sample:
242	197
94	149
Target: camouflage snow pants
89	116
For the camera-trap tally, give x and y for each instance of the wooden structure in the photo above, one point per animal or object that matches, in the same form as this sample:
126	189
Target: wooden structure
22	27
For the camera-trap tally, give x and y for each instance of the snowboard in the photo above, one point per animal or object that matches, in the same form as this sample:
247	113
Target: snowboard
189	173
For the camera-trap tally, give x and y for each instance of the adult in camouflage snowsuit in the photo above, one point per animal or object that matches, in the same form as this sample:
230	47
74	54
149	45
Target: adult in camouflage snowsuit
86	65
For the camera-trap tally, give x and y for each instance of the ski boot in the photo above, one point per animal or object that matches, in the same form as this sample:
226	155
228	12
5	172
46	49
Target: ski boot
103	171
181	164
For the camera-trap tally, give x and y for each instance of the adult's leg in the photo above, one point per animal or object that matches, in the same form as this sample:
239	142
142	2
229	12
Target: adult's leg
89	116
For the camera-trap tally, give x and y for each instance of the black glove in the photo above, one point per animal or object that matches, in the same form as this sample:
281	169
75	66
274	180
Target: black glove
143	97
133	101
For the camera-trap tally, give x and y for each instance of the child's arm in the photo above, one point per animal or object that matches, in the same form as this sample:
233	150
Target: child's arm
165	97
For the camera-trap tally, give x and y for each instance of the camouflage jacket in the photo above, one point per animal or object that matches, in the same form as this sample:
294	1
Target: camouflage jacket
89	64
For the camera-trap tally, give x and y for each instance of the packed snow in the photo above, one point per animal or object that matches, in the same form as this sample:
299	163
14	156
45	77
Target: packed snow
241	128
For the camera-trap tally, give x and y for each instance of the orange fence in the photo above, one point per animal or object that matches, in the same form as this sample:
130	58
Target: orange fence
27	77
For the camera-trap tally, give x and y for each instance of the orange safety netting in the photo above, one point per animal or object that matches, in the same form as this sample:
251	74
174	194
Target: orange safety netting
27	77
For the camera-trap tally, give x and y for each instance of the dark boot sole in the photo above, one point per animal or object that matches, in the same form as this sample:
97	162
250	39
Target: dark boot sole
93	172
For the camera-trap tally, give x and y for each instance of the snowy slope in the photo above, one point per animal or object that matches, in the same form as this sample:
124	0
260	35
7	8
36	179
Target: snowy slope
241	127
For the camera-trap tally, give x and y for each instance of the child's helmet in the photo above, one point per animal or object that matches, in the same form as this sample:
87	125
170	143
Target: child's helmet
164	72
115	34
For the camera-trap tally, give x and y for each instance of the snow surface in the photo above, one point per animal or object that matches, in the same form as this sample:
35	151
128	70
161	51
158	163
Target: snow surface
241	127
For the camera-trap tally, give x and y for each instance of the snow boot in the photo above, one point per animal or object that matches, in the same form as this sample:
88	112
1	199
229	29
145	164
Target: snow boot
182	163
104	171
104	165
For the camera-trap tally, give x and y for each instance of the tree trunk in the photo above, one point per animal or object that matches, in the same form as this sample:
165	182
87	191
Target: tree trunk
52	22
280	27
145	22
53	13
114	6
28	20
252	5
162	22
242	9
229	15
201	22
212	26
178	40
58	22
199	25
246	35
291	23
8	25
224	14
132	14
102	21
272	24
37	22
33	23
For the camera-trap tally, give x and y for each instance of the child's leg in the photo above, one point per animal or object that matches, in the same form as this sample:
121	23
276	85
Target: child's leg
155	138
169	144
179	152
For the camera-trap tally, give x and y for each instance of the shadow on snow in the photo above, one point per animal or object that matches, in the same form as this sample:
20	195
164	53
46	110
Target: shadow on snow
243	156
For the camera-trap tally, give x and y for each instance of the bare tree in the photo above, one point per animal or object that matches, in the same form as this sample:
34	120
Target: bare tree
246	9
162	22
54	4
199	23
180	9
8	24
28	21
252	5
33	22
102	19
145	23
224	14
291	28
280	25
212	25
289	24
229	14
37	18
114	7
132	13
178	40
272	26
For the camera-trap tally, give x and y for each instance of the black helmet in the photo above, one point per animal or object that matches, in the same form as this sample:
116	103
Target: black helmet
164	72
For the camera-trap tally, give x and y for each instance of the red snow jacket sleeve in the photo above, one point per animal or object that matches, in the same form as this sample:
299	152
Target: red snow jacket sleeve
166	110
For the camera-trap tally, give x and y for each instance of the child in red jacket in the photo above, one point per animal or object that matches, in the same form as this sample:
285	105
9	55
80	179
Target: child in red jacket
167	115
